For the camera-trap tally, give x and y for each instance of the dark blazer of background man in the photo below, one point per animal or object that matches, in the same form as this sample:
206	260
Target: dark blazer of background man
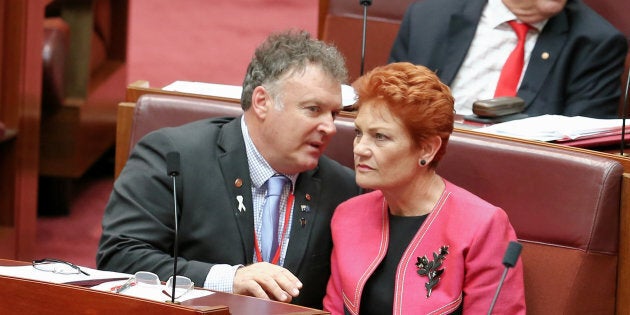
581	76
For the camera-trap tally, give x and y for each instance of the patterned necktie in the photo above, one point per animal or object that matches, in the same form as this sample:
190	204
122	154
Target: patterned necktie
269	229
513	67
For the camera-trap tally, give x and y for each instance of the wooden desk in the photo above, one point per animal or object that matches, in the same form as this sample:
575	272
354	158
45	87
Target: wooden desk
37	297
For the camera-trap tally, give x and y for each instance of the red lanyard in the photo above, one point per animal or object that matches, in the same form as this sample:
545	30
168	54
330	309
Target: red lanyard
276	256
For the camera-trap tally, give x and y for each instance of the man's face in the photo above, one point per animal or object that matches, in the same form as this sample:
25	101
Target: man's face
533	11
297	131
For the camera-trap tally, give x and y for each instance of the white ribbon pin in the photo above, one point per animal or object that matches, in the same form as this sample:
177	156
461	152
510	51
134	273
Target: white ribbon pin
241	206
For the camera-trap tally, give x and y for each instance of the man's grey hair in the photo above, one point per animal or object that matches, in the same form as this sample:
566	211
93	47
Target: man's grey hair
289	51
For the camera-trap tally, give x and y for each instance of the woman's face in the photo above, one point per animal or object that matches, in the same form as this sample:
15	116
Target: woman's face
385	156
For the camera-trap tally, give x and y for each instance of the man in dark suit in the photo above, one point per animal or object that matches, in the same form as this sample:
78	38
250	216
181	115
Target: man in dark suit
573	60
291	95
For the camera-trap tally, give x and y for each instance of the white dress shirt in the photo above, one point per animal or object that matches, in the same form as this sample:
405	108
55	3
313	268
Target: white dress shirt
221	276
493	42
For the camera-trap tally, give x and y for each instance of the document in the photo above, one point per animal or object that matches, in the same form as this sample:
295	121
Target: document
28	272
556	128
147	292
151	292
348	97
202	88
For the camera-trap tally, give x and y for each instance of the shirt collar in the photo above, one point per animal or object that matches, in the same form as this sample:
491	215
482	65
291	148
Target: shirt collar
497	14
259	169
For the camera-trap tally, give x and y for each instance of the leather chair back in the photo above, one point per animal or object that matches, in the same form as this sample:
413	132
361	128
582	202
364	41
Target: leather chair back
55	51
564	207
157	111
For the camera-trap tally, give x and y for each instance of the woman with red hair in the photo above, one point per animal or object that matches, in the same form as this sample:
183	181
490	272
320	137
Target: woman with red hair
416	244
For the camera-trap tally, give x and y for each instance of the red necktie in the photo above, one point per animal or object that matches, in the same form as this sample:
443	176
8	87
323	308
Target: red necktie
513	67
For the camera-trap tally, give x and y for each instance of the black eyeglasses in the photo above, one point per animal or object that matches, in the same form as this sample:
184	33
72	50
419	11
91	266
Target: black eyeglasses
57	266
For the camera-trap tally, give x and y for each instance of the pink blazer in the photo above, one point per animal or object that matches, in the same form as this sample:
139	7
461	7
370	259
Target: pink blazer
476	233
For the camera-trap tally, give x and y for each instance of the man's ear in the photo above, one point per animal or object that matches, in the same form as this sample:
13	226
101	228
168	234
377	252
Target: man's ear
261	101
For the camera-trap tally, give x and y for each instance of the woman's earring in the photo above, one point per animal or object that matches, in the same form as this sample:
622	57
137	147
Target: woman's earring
423	162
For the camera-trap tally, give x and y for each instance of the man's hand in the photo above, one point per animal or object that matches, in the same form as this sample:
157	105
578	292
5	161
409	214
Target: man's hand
267	281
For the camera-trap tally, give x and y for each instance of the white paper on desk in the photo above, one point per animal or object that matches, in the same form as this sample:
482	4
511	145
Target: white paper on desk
202	88
149	292
348	96
554	127
28	272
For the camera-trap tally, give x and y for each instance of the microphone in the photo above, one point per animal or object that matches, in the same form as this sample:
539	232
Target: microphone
623	115
509	260
365	4
172	170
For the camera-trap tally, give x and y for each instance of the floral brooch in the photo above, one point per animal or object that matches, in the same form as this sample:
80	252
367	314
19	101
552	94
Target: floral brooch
431	268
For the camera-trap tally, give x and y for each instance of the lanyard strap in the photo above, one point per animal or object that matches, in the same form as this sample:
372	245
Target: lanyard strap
276	256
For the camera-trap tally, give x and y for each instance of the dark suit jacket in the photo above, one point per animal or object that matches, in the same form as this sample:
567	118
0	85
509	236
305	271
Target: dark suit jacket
138	221
582	75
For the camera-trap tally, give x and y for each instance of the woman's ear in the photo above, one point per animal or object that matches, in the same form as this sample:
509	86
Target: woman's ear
429	149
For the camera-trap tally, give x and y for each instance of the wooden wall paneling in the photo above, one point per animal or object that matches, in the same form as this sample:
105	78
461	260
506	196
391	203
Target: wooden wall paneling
20	93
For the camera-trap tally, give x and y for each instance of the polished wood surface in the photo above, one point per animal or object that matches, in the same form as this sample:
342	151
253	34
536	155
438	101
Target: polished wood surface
623	263
239	304
21	34
37	297
123	135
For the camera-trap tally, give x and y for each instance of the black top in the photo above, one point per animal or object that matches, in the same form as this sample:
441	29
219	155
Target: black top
378	294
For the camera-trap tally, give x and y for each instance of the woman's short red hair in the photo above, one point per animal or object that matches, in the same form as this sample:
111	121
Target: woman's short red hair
413	94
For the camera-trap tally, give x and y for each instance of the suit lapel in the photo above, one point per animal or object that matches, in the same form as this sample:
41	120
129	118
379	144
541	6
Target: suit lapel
235	170
461	30
543	57
307	194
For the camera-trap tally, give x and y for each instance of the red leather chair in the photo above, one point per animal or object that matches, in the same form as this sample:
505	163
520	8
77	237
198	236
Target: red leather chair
565	209
54	55
155	111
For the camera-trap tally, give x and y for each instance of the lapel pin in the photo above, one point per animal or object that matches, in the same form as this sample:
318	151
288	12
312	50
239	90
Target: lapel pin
305	208
308	197
241	206
545	55
432	269
238	183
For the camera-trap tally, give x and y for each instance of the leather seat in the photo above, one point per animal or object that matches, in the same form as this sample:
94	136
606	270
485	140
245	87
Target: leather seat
564	207
54	54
